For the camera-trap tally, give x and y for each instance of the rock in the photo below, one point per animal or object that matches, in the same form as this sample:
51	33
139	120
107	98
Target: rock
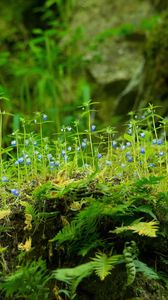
113	43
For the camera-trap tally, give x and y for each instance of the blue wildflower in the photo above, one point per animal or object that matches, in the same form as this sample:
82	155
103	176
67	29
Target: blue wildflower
69	128
114	144
49	156
160	142
93	127
20	160
13	143
14	192
57	164
142	134
28	161
44	117
161	153
154	142
4	179
108	163
52	164
83	145
99	155
129	159
63	152
151	165
69	148
142	150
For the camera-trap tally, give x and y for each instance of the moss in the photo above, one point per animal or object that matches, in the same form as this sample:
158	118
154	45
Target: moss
156	67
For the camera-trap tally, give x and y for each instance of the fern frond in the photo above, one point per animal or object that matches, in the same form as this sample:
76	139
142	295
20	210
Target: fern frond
142	228
67	233
129	253
28	282
103	264
148	272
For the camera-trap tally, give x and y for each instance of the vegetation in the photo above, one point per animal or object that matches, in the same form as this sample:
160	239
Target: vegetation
88	203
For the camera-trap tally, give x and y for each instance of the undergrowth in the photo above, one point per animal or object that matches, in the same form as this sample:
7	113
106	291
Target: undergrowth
81	205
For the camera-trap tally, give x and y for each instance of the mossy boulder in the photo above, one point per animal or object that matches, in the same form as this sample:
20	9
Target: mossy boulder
155	79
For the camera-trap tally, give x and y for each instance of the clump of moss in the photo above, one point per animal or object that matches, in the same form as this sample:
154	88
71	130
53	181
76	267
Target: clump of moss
156	67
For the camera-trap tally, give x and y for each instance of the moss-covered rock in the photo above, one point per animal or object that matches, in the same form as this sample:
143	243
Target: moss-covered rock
155	86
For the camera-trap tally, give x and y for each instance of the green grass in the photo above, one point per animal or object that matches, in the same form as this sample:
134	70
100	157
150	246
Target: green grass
91	193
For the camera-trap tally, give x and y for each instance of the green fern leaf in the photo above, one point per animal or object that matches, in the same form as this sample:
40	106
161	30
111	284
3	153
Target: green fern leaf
103	264
142	228
68	233
148	272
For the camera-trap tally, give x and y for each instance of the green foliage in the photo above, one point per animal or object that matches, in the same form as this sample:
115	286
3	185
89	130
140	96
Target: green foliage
129	253
102	264
148	272
142	228
27	281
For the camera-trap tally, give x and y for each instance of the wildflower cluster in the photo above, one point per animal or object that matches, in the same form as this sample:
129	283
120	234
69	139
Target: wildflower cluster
141	149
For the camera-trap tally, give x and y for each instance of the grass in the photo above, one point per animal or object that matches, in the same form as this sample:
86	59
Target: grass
92	192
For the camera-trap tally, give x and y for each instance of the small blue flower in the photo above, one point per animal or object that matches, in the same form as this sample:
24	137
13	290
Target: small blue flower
35	143
154	142
99	155
49	156
36	152
108	163
39	156
128	144
161	153
69	128
114	144
52	164
13	143
142	150
129	159
151	165
69	148
28	161
63	152
123	147
57	164
16	163
160	142
78	149
129	131
83	145
45	117
142	134
15	192
4	179
93	127
20	160
128	154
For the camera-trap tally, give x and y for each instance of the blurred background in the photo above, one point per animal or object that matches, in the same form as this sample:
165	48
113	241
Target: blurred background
56	55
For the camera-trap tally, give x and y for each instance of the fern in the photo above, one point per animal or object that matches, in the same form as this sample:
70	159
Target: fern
73	276
67	233
129	253
28	281
148	272
142	228
102	264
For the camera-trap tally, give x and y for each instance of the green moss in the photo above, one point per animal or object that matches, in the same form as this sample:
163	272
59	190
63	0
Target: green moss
156	68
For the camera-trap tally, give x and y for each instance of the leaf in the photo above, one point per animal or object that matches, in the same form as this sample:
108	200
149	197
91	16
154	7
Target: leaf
147	271
4	213
142	228
103	264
